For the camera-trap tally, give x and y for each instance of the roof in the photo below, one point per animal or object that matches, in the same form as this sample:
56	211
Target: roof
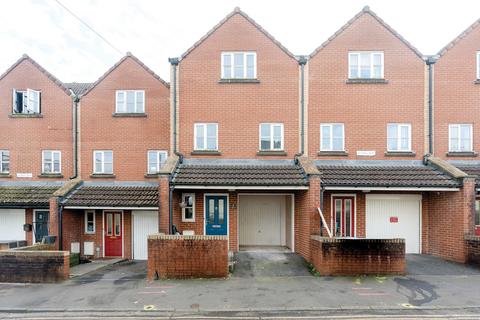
367	10
457	39
113	195
40	68
26	196
387	174
222	22
240	173
116	65
470	169
78	87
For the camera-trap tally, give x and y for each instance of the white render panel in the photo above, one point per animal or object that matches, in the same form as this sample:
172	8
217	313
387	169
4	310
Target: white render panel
144	224
11	224
395	216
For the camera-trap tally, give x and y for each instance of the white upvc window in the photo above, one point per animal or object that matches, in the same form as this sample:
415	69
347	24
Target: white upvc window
478	64
102	162
188	207
239	65
399	137
206	136
26	101
332	137
460	138
271	136
156	160
4	161
51	161
130	101
90	222
365	65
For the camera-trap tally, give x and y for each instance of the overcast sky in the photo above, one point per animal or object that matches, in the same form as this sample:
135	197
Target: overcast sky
156	30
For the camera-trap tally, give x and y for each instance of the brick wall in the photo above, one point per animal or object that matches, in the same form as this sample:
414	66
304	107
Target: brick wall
163	204
53	220
348	257
34	266
187	256
449	218
473	249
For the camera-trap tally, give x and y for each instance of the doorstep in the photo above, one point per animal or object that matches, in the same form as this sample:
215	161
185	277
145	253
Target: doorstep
84	268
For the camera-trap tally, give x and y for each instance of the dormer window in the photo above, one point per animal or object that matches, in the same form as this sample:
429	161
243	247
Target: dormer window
26	101
239	65
365	65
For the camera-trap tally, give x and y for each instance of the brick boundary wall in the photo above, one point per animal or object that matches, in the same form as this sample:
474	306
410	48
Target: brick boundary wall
472	244
35	266
175	256
349	257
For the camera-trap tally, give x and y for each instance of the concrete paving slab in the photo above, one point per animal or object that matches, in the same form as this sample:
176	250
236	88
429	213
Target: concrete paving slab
85	268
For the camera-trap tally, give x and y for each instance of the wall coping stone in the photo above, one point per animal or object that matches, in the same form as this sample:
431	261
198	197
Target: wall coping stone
182	237
333	240
472	237
34	253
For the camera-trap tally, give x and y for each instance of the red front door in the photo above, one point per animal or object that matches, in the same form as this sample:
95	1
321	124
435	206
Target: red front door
113	234
344	216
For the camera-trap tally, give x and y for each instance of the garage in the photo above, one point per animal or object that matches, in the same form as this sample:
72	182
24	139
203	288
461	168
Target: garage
11	224
394	216
265	220
144	224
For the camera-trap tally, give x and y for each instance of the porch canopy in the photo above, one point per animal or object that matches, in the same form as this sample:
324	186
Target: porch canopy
384	175
239	175
110	195
27	195
471	168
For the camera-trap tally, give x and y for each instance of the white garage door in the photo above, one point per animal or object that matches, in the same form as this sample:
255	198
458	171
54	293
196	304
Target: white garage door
395	216
11	224
144	224
262	221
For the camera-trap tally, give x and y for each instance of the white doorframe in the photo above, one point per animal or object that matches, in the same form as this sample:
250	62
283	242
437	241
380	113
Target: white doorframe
292	214
123	231
228	214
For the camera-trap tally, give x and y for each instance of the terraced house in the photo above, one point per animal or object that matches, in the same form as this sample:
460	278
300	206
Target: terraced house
251	142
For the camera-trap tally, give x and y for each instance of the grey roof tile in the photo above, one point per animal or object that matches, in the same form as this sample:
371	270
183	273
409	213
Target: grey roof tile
113	196
473	170
78	88
26	196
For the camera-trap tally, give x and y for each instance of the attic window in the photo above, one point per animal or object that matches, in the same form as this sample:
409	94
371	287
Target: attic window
239	65
365	65
26	101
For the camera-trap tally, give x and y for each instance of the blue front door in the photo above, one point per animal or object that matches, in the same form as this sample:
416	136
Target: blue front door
216	215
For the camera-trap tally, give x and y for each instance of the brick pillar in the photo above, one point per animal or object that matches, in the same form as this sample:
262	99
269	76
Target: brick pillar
53	220
163	204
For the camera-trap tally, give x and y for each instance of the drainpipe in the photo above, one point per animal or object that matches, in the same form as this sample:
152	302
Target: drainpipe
174	62
302	60
430	61
76	100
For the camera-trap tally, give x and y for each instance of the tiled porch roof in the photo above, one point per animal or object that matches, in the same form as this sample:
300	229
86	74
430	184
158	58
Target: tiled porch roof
387	174
196	172
26	196
472	169
114	195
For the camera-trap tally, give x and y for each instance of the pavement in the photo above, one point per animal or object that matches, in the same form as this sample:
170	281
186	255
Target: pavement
432	288
84	268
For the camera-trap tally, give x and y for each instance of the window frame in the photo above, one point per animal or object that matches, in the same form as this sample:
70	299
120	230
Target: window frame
158	164
245	54
478	65
372	53
331	124
184	219
26	99
3	162
205	138
399	137
53	162
459	126
125	92
272	141
94	222
103	161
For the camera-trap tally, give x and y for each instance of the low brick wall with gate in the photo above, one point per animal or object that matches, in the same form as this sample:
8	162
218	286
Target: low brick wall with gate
176	256
348	257
472	244
35	264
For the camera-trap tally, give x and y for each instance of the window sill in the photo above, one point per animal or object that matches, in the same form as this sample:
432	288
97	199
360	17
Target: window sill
128	115
151	175
238	81
21	115
462	154
102	175
188	221
5	175
333	153
400	153
271	153
476	81
206	153
90	233
366	81
50	175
